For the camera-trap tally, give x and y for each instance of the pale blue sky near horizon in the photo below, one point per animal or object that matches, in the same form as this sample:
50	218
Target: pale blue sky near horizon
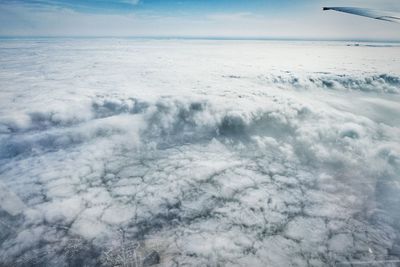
195	18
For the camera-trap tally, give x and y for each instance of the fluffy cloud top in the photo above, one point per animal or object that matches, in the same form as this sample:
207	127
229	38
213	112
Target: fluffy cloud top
240	153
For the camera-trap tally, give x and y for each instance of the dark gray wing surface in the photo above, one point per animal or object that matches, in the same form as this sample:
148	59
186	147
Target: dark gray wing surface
370	13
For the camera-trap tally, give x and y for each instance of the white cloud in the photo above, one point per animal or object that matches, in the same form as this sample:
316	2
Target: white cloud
231	16
198	152
133	2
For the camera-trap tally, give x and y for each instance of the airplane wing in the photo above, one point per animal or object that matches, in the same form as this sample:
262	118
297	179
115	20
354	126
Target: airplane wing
371	13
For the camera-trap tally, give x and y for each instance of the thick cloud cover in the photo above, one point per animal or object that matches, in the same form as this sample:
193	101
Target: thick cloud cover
228	153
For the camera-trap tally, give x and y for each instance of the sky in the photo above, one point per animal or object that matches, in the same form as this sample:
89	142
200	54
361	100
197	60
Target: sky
297	19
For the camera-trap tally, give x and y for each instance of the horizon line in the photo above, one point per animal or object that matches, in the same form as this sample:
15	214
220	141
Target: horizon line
181	37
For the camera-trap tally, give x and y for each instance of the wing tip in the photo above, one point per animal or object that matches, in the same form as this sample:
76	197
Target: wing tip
326	8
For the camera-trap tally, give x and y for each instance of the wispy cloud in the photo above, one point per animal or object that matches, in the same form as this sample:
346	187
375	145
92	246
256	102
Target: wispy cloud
82	6
231	16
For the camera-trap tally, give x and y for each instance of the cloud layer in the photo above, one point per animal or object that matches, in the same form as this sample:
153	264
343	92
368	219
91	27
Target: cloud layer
198	152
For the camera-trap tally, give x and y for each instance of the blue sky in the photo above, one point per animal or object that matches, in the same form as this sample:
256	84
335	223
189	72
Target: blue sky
214	18
123	6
